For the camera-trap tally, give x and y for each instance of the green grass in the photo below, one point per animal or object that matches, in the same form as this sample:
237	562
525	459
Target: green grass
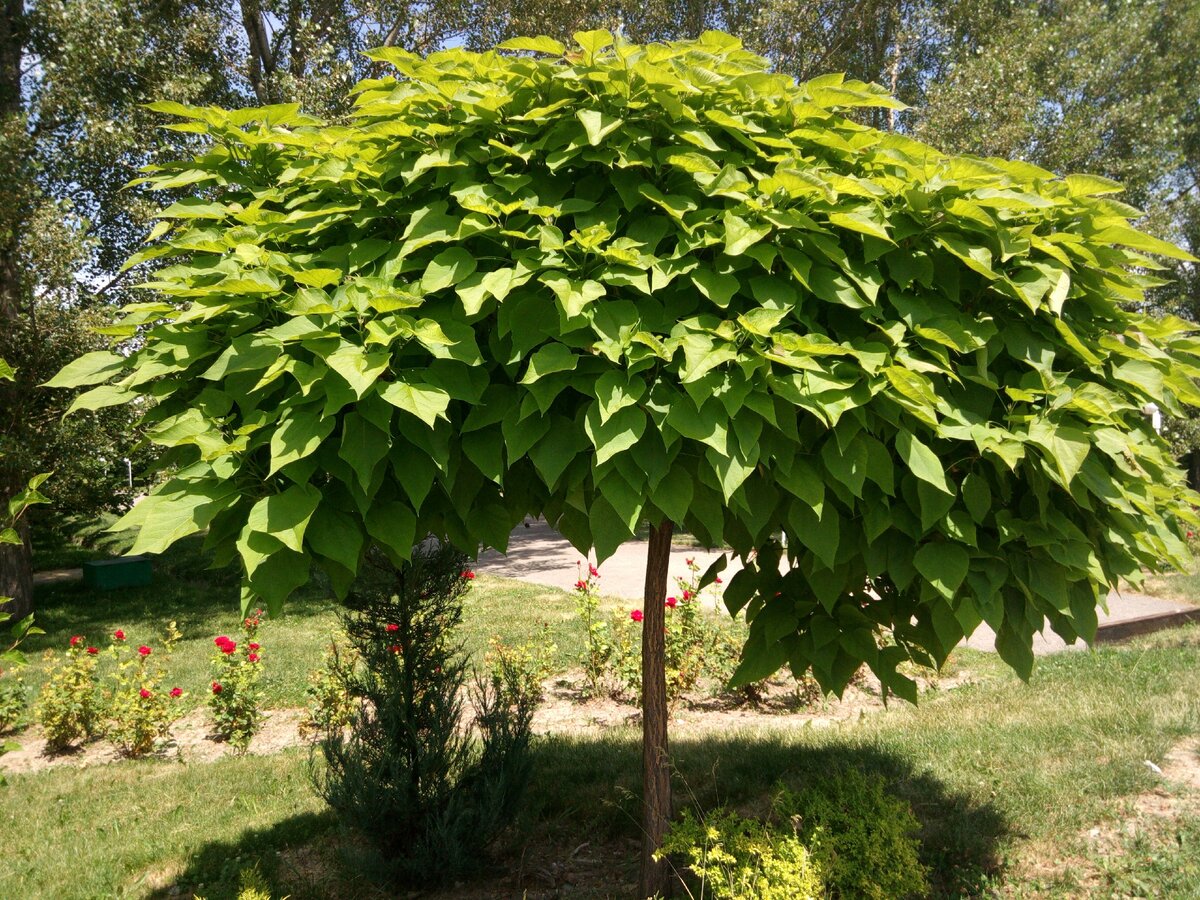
132	828
1005	777
1183	586
205	603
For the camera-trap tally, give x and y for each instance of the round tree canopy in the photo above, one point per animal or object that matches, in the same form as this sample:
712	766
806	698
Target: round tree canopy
611	284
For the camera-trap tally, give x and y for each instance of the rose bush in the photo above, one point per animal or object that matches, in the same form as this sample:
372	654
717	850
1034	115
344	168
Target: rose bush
236	694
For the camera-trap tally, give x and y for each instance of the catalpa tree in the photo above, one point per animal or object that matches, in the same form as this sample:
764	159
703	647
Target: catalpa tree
614	284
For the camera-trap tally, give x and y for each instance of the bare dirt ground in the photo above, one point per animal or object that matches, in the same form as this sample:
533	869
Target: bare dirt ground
191	740
566	709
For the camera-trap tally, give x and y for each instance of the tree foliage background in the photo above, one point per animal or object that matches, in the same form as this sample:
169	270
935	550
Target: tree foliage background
1105	87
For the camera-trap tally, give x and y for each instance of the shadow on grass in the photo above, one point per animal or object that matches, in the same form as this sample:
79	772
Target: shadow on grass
598	783
214	872
186	588
585	792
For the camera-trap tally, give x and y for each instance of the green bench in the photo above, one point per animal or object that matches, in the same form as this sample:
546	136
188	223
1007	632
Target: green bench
124	572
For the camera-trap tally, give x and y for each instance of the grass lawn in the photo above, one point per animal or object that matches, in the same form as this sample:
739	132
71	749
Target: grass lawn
1182	586
204	603
1037	790
1006	778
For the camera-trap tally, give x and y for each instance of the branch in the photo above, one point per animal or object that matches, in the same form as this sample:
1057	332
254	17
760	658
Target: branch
112	282
262	60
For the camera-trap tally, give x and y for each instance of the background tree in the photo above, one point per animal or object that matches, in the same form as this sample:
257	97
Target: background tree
74	78
1105	87
675	288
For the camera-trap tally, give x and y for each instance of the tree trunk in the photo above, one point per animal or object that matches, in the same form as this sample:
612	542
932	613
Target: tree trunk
16	578
656	772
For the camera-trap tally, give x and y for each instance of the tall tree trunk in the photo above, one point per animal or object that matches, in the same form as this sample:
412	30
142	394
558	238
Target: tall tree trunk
16	575
16	579
656	771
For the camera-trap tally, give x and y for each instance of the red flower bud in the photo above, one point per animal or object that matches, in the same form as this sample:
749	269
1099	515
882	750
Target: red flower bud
392	627
254	646
395	648
253	657
176	692
593	571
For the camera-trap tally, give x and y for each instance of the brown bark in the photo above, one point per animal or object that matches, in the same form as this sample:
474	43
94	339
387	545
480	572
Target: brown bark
262	56
12	28
16	575
656	771
16	561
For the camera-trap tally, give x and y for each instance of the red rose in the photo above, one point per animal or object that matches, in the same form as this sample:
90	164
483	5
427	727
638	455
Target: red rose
636	615
393	627
118	635
690	562
687	595
225	645
395	648
593	571
671	601
176	692
254	646
145	694
144	650
718	580
75	640
92	651
253	657
581	586
216	687
469	575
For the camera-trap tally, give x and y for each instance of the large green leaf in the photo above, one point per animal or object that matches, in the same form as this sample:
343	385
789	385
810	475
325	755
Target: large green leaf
942	564
425	401
175	511
922	461
285	516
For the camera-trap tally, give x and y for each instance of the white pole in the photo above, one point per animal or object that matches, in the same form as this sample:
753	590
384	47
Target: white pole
129	469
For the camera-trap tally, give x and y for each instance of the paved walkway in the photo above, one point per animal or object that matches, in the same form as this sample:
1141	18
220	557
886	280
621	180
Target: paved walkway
537	553
55	576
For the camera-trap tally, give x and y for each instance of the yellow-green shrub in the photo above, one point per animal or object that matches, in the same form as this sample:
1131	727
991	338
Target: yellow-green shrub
735	858
864	839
